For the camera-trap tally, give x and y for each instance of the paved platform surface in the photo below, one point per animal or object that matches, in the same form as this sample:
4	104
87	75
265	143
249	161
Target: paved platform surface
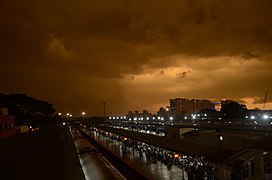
40	155
149	169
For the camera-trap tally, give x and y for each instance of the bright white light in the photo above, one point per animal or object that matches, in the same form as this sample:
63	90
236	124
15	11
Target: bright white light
255	122
147	118
113	118
221	138
171	118
30	127
185	117
71	115
246	117
142	118
129	119
205	114
121	117
83	113
159	117
125	117
117	117
63	123
167	109
135	119
67	114
109	117
265	116
59	114
153	118
162	118
194	117
252	117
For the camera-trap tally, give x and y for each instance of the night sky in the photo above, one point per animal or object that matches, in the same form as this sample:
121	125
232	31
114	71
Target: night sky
136	54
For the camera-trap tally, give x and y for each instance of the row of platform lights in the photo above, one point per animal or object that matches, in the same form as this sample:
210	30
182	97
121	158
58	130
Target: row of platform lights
70	115
139	118
260	117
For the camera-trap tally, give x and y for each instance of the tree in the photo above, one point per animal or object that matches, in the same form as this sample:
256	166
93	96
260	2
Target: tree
233	110
27	109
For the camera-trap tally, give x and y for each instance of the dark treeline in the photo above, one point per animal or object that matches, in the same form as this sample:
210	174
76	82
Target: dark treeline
234	110
28	110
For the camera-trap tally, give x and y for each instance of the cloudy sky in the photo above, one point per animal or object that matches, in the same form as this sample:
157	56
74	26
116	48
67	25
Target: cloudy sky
136	54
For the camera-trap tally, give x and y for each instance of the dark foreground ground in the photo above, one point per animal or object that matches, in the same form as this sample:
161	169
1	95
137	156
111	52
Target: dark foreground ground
46	154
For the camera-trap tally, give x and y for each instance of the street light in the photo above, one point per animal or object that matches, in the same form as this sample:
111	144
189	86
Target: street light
83	113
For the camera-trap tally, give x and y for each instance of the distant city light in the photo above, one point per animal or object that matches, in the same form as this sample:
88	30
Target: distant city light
171	118
167	109
71	115
59	114
265	116
83	113
221	138
63	123
147	118
252	117
67	114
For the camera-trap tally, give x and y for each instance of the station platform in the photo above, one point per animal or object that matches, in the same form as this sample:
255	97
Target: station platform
43	154
150	169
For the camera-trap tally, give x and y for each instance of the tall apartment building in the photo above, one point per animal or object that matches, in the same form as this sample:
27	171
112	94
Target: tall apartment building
181	106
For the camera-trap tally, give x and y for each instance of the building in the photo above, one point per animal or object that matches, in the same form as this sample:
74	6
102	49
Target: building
182	106
7	123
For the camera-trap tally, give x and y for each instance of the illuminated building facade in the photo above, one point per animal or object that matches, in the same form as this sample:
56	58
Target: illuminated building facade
181	106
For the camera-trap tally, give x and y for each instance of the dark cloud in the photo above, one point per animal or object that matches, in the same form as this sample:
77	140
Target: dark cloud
85	48
182	75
